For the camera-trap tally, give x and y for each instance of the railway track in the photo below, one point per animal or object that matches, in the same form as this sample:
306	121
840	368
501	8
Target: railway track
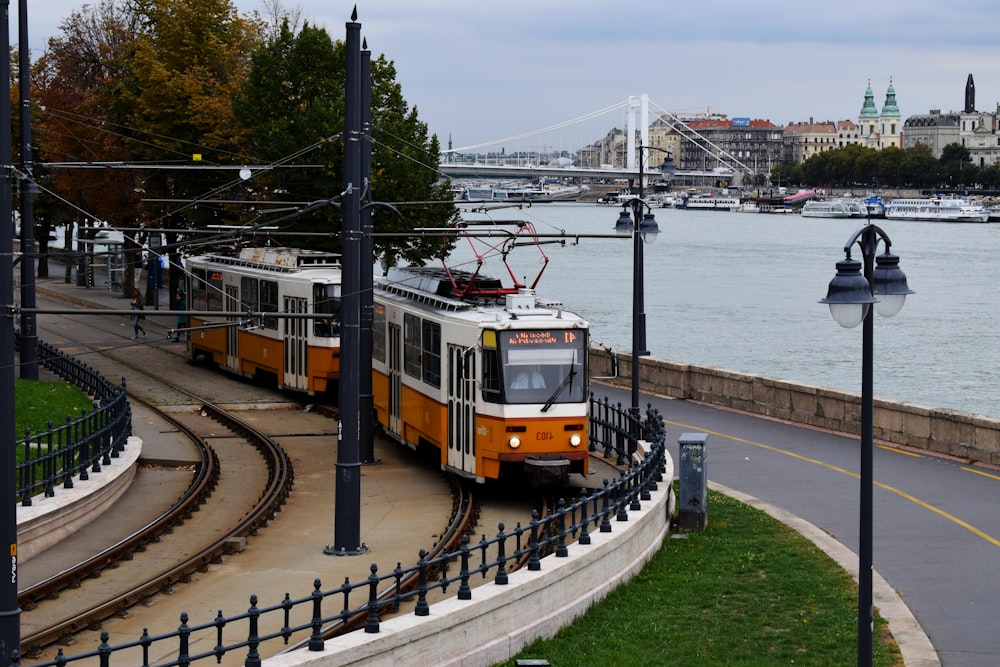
159	383
52	616
116	586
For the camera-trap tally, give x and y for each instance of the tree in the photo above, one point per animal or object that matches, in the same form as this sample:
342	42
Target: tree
293	105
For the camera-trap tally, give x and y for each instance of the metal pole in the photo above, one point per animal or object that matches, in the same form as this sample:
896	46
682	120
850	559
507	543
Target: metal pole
29	330
638	301
10	614
365	398
347	510
868	244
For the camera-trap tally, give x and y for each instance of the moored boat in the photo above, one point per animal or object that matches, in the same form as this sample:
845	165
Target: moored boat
709	203
935	209
832	208
875	206
843	207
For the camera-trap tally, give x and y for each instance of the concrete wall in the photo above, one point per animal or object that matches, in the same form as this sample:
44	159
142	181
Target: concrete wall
968	436
48	520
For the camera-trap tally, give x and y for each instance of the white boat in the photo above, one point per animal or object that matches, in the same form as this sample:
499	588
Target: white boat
834	208
708	203
935	209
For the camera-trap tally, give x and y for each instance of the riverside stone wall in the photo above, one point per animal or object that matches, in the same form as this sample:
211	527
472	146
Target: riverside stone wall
972	437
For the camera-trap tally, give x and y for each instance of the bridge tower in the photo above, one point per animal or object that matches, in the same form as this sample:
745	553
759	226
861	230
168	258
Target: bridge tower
636	129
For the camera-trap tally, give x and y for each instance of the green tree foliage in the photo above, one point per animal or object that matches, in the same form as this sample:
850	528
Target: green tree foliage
189	62
293	106
890	167
78	84
161	81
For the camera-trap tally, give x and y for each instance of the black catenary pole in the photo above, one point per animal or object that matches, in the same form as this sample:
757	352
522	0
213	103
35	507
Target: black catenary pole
366	400
347	509
10	614
29	330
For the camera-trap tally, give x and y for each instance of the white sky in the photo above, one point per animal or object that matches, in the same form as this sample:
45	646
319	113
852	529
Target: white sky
480	71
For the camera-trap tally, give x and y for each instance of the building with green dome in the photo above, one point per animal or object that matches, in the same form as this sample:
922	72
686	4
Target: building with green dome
880	129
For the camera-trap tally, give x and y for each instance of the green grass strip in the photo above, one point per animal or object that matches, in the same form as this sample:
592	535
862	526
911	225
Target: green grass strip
748	591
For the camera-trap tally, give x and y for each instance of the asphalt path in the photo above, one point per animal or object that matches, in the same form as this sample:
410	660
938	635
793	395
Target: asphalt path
936	520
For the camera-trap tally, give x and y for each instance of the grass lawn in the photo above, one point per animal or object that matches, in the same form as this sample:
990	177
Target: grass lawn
36	402
749	591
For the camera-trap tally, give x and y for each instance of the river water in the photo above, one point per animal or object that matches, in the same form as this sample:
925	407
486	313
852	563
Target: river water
740	291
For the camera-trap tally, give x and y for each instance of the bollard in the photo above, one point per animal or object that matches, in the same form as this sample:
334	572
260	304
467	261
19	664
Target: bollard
692	504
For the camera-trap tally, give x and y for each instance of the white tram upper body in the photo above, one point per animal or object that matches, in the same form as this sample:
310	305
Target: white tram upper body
494	378
301	353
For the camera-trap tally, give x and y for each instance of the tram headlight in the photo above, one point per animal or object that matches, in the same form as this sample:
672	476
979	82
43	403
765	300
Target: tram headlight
514	442
575	440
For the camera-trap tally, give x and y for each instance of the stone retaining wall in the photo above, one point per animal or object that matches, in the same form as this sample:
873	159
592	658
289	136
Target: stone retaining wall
968	436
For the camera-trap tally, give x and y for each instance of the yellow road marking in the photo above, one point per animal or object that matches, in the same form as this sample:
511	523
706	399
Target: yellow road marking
903	494
982	472
896	450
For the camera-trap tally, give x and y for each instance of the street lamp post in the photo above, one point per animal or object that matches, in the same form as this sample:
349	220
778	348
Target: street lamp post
857	286
643	228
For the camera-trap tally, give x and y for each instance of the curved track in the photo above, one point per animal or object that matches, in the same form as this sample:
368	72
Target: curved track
53	615
135	566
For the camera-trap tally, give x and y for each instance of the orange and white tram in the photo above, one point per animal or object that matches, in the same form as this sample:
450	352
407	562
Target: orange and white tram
494	378
294	352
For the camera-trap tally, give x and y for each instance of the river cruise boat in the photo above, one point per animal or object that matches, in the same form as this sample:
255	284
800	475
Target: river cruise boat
834	208
935	209
709	203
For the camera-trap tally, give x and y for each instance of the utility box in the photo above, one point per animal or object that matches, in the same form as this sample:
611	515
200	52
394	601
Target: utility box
692	502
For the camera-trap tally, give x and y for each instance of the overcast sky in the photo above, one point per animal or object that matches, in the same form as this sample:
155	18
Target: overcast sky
480	71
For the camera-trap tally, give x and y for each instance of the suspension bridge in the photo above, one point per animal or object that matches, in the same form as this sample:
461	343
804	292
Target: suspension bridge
604	145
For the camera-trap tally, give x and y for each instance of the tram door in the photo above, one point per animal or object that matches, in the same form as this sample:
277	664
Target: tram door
395	353
461	409
294	331
232	305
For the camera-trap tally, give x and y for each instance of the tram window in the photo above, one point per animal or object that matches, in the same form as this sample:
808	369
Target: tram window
411	345
199	295
491	376
432	353
269	302
249	299
378	333
326	303
213	290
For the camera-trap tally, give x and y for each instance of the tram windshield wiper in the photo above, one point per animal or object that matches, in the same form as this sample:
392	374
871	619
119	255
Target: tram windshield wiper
567	381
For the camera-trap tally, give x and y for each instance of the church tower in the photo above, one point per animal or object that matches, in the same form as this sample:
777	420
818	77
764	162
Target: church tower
890	126
868	120
970	95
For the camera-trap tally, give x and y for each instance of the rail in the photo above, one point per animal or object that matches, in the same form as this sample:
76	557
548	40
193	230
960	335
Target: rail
576	519
83	444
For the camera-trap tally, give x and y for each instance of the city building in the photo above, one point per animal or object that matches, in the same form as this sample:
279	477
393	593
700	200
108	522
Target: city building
976	130
880	129
801	141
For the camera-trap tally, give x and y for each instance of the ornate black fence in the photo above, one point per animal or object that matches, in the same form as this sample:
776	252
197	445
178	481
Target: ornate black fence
594	510
83	444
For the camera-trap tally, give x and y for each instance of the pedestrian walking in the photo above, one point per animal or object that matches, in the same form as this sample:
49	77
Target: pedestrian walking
180	304
137	306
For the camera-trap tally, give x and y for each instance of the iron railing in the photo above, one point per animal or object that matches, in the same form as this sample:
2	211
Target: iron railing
83	444
593	511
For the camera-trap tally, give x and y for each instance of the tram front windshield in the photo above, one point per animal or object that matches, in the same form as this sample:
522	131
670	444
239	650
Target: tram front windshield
544	366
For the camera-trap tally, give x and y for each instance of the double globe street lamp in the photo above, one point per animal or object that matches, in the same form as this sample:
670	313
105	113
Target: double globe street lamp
641	224
879	281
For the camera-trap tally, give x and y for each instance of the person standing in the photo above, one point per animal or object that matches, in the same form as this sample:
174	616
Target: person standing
137	306
180	304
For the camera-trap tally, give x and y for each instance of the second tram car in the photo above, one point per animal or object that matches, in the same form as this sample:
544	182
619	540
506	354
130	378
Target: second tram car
301	353
493	378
